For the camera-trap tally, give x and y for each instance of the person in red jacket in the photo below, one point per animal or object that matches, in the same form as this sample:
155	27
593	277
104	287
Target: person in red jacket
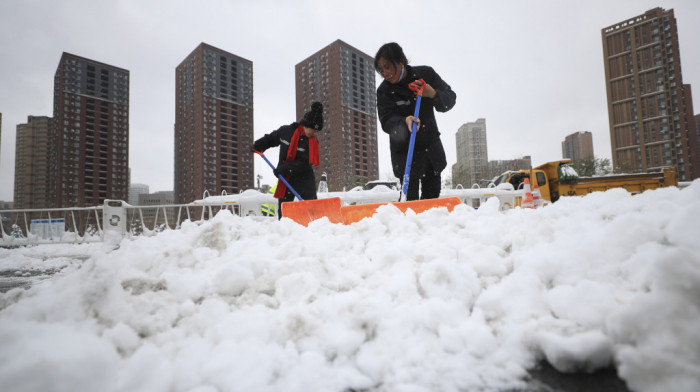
299	152
396	105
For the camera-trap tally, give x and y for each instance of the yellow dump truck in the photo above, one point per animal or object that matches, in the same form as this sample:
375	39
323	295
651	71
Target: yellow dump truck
556	179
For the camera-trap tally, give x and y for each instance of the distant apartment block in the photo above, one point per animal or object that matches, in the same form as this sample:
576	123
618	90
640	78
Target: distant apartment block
213	124
33	171
343	79
578	146
134	191
472	165
154	217
496	168
649	108
90	148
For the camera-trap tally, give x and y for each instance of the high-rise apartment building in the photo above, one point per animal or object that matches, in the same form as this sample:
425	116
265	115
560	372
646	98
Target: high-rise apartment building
649	109
213	124
90	149
578	146
32	167
343	79
472	154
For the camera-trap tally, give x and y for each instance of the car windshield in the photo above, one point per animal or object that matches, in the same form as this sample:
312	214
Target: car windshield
501	179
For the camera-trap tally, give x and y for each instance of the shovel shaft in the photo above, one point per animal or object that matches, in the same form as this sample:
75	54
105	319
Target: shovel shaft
409	156
280	176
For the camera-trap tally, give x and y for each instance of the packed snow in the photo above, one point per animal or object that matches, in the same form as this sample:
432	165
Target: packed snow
461	301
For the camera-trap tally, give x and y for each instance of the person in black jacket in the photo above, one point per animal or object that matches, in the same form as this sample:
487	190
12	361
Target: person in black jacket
396	105
298	152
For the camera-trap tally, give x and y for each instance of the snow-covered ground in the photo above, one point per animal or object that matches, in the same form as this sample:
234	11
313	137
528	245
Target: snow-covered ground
465	301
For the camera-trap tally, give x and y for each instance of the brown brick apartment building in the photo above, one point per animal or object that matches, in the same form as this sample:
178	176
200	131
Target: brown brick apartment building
213	124
343	79
90	148
650	109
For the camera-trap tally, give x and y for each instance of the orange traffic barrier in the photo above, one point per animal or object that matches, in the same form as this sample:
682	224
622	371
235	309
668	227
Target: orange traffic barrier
306	211
537	201
527	199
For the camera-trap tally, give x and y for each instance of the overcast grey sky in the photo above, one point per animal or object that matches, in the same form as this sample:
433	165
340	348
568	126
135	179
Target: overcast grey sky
532	68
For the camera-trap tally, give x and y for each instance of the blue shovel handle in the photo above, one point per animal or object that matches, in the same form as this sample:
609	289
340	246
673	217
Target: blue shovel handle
411	144
280	176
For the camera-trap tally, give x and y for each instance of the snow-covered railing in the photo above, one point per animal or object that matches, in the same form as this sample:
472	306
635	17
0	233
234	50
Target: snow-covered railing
475	197
250	202
117	219
50	225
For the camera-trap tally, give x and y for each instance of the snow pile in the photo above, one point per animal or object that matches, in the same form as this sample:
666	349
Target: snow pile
431	302
568	171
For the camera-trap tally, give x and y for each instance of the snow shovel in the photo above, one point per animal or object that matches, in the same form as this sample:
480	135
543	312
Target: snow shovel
355	213
305	211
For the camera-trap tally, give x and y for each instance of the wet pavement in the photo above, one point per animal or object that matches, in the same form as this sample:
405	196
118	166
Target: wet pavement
545	378
10	279
26	277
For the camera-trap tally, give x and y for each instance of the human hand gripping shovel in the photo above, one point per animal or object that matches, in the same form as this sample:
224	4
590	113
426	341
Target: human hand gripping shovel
418	88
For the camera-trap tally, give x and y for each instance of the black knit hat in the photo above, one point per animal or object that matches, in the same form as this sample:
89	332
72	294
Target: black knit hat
314	118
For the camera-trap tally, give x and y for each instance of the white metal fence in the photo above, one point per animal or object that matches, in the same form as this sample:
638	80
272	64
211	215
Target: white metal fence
91	224
117	219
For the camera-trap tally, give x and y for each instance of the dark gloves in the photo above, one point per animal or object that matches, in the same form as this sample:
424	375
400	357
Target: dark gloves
256	148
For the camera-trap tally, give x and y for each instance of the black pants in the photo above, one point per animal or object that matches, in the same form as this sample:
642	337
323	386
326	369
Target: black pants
429	183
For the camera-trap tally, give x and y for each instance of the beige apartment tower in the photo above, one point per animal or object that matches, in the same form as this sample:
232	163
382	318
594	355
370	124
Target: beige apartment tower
472	165
213	124
578	146
649	108
343	79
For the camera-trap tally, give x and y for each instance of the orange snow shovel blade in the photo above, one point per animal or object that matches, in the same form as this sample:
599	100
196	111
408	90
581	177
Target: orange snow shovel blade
305	211
358	212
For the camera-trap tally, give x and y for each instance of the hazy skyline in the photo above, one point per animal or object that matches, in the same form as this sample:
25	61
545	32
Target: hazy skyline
533	69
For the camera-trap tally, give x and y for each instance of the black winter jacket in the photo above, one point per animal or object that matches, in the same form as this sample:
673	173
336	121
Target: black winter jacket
299	173
396	101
